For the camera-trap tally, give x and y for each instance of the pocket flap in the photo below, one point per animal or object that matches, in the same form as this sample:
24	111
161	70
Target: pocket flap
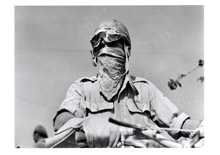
99	106
138	107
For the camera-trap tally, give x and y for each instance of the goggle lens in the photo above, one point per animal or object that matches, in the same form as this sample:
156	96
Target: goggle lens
107	37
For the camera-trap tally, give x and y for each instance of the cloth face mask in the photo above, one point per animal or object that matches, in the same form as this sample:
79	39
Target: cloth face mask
111	62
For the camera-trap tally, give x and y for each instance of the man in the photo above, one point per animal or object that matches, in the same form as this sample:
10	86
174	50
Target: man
39	136
114	93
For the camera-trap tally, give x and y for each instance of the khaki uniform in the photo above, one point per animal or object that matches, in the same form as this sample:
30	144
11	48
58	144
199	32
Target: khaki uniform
138	102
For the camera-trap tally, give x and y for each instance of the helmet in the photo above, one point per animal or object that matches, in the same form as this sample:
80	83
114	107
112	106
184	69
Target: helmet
112	27
41	131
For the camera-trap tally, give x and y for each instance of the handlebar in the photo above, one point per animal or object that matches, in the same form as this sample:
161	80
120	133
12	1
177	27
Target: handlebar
75	138
154	134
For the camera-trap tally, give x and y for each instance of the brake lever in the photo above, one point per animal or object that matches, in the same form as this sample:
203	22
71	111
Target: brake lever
112	120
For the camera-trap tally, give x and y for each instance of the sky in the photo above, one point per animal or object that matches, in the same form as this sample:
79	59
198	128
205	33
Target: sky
52	51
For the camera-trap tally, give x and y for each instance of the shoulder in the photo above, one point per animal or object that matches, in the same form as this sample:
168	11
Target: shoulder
83	83
141	83
79	86
139	79
85	80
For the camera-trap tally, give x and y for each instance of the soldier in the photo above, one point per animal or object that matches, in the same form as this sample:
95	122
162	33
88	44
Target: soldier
113	92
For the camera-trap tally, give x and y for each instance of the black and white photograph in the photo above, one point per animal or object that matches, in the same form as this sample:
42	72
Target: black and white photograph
123	76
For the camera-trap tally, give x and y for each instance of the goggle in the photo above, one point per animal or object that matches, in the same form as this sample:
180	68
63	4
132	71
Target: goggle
108	37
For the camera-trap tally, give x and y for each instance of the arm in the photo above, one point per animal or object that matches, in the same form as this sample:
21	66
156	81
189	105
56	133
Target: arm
61	119
98	131
165	114
190	124
70	108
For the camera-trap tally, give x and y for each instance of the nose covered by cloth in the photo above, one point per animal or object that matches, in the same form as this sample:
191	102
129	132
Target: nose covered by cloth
112	68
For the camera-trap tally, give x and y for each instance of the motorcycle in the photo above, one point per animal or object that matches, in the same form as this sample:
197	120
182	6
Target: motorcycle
145	137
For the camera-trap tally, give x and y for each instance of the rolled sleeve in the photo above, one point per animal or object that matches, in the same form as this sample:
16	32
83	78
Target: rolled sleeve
164	112
177	123
162	109
72	102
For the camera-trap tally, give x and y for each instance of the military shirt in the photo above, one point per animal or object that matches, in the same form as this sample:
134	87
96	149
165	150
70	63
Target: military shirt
138	102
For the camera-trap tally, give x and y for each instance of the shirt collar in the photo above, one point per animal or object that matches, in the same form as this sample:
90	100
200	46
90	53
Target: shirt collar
128	82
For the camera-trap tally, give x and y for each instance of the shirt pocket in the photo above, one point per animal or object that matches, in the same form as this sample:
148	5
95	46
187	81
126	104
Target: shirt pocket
98	106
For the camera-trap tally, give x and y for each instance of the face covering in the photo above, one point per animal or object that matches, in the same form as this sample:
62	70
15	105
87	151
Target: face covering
111	63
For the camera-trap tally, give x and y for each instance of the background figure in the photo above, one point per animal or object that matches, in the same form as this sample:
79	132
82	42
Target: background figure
39	135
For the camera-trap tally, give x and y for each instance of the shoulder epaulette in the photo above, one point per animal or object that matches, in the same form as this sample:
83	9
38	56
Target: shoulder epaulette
86	79
138	79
